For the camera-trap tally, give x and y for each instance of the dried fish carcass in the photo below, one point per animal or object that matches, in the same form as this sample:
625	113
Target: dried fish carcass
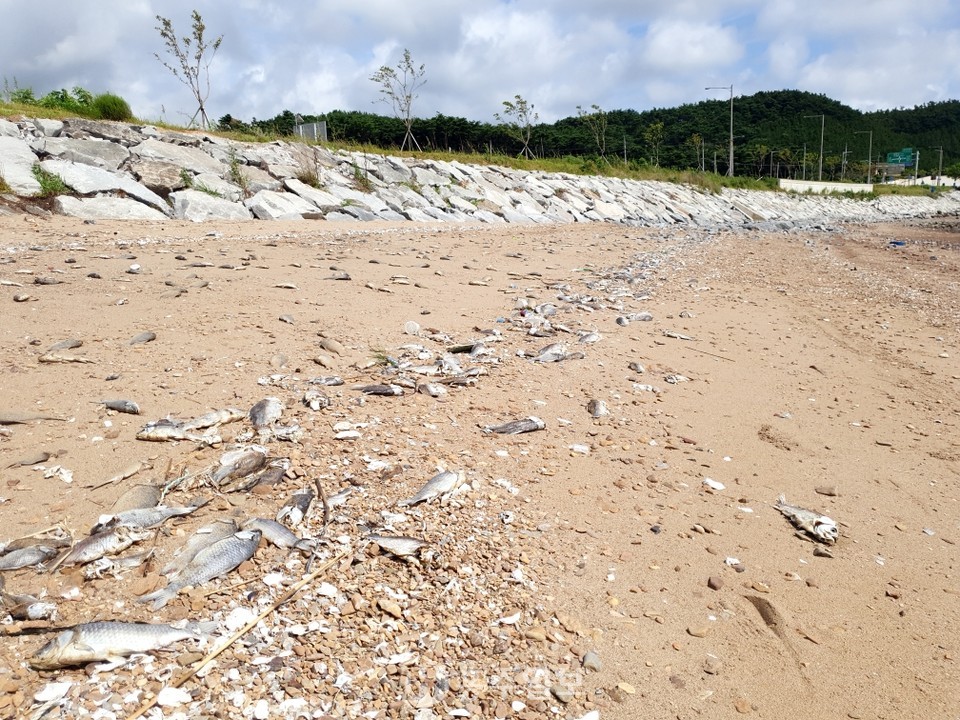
204	537
516	427
597	408
212	562
239	463
814	524
213	418
266	412
440	484
399	545
390	390
108	542
278	534
296	508
110	640
26	557
554	352
315	399
144	517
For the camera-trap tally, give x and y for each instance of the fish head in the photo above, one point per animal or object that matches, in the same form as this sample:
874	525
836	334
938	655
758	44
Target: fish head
826	530
51	655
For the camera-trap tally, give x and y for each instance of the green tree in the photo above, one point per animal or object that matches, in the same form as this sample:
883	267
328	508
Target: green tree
192	55
518	118
596	122
653	135
399	89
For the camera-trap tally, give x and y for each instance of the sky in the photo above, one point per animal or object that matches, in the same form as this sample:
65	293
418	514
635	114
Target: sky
312	57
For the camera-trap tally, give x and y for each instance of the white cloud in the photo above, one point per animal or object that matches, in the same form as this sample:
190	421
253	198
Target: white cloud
317	55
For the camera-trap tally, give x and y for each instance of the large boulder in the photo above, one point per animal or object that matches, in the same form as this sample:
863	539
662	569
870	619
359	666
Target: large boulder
99	153
105	208
191	158
199	206
16	166
269	205
86	179
161	177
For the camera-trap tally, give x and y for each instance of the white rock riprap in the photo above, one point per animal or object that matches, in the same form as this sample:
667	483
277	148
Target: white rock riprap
202	177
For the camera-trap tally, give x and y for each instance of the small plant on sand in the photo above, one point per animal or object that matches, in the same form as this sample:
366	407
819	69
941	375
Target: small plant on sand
50	184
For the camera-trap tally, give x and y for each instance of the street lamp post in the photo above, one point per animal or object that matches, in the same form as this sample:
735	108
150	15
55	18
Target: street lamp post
870	151
820	175
730	88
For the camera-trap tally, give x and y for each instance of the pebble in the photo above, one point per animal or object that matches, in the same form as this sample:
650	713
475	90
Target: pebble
742	706
591	661
562	693
698	631
714	582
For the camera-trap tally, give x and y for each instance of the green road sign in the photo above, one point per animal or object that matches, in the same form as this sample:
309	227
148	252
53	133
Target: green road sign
904	157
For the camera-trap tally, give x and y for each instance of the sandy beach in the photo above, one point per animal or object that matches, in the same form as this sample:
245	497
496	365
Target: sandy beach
631	564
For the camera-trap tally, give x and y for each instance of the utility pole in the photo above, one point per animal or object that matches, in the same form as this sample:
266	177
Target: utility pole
940	167
869	152
822	119
724	87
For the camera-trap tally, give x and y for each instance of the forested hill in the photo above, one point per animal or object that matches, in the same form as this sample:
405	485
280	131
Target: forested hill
772	132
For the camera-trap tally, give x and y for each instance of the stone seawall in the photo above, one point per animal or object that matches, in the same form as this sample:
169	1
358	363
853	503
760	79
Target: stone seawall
140	172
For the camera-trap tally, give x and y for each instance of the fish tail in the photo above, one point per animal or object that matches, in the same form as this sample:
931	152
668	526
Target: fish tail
782	500
159	598
202	629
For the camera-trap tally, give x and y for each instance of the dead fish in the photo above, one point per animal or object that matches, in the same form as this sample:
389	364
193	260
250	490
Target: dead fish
315	399
59	357
26	557
237	464
141	338
43	280
266	412
68	344
210	563
108	542
597	408
278	534
434	390
296	508
399	545
111	641
270	475
440	484
529	424
331	345
26	607
171	430
34	459
381	389
142	518
204	537
327	380
676	335
213	418
136	498
817	526
339	498
123	406
554	352
590	337
115	566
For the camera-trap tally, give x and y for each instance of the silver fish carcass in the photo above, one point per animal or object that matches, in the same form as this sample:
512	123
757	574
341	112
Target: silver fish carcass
109	640
210	563
440	484
816	525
